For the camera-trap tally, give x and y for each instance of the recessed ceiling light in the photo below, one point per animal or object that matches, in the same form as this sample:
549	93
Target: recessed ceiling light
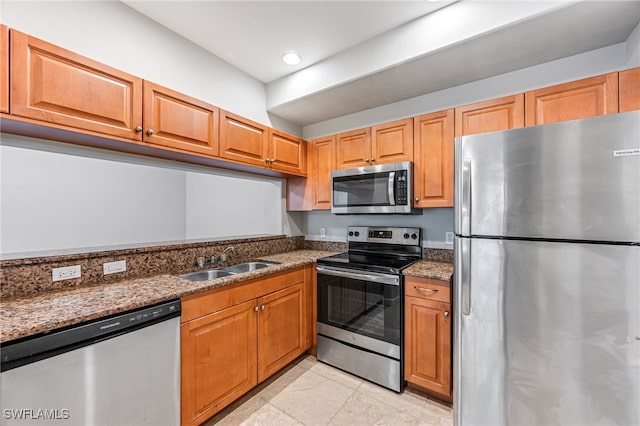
291	58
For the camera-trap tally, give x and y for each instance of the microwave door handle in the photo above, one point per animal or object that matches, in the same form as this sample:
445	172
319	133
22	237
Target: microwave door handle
391	188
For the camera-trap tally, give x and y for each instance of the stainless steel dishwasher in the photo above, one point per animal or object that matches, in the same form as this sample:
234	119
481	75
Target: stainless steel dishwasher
116	371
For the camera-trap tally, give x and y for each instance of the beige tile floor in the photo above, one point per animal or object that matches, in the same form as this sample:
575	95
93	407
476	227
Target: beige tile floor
311	393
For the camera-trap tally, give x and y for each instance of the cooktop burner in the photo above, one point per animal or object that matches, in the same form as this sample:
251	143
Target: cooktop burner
369	262
378	249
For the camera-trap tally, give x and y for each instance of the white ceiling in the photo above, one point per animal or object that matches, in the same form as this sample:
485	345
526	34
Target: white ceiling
362	54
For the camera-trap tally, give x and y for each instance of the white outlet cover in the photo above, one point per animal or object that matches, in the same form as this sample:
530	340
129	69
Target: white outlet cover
114	267
448	238
66	273
323	232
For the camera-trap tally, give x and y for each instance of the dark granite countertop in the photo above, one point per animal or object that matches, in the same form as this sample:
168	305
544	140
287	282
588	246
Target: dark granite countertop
430	269
26	316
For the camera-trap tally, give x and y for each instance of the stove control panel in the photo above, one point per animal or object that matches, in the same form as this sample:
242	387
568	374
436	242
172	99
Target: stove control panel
384	234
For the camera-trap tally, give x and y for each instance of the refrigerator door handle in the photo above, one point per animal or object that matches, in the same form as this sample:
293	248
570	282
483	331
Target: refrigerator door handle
465	208
463	261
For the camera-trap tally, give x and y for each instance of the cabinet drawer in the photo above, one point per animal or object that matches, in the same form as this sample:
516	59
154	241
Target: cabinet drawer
426	288
200	304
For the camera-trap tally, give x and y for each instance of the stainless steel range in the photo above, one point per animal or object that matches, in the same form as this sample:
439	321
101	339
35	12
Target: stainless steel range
360	303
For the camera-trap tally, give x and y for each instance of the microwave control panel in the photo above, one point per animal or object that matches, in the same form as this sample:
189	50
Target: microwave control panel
401	188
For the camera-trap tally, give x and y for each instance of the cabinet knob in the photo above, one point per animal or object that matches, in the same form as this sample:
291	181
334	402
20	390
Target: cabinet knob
262	307
417	199
255	309
266	160
138	129
366	159
373	159
273	160
149	132
446	314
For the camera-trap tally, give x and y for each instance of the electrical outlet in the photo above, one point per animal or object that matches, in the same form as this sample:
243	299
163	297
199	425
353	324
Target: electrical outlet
286	230
66	273
323	233
114	267
448	236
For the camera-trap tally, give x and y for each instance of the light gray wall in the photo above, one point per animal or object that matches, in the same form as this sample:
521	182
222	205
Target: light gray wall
434	224
59	196
56	196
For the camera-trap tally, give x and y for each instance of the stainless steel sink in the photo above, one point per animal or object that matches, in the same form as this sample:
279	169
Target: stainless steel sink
206	275
248	267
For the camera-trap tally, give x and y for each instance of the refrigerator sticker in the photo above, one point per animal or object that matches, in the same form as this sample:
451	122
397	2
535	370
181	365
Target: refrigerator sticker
626	152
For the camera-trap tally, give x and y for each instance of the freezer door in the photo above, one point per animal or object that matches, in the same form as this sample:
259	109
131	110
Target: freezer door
550	335
577	180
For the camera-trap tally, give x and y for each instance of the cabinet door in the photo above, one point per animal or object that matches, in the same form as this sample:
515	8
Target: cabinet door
178	121
281	329
433	165
287	153
585	98
428	345
490	116
323	161
218	361
392	142
353	149
243	140
60	87
629	81
4	68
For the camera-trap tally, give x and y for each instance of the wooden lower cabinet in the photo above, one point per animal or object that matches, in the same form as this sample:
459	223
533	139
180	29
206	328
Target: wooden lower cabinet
234	338
428	362
281	329
218	354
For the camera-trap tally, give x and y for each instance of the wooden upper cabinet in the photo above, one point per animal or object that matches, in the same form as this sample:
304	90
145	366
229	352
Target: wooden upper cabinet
629	82
392	142
4	68
178	121
323	162
490	116
243	140
218	353
584	98
57	86
282	334
433	165
287	153
314	191
353	149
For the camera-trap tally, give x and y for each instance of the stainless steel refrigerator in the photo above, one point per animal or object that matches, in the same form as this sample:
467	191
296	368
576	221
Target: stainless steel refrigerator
547	275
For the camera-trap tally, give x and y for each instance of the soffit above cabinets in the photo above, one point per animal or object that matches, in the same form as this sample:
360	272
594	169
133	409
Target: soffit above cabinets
363	54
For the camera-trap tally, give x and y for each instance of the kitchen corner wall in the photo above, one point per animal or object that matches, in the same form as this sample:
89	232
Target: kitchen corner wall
58	196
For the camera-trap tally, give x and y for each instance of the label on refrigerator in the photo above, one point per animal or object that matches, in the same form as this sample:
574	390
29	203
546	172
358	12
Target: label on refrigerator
626	152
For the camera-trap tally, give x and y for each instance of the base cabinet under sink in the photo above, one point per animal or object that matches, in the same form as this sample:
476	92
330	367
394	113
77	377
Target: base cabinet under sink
236	337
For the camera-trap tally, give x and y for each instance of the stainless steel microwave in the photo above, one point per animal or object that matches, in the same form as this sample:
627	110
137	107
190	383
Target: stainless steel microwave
385	188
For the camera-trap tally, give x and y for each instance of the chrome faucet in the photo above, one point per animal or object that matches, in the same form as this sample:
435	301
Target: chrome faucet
215	260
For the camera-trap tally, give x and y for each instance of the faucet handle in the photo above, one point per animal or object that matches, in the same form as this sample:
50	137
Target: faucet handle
200	262
214	259
222	257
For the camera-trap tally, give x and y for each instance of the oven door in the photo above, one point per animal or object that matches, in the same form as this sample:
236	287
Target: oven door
360	308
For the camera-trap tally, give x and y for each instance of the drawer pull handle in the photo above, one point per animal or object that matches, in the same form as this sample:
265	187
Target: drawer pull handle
426	289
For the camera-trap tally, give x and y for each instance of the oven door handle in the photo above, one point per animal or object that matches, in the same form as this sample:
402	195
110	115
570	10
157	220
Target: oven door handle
359	275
